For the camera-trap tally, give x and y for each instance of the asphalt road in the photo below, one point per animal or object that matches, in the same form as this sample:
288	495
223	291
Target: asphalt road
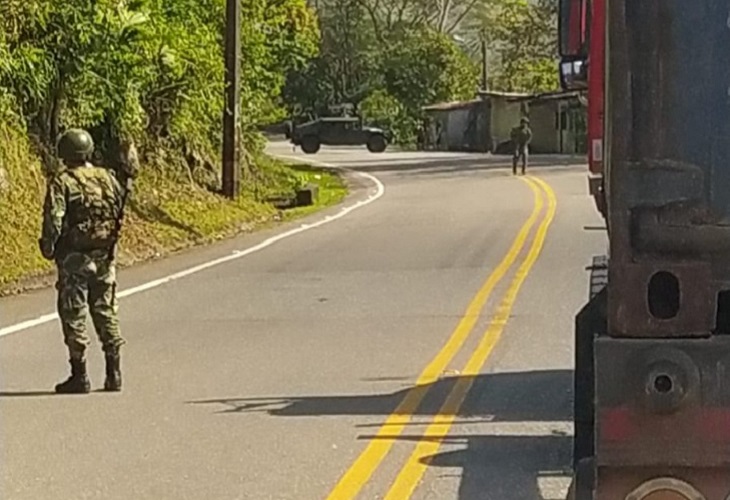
417	344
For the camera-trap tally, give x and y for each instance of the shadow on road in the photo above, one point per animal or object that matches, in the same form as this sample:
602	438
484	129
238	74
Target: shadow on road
440	165
518	396
507	467
502	467
496	466
26	394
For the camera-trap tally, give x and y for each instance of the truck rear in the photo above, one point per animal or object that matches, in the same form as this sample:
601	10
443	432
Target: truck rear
652	402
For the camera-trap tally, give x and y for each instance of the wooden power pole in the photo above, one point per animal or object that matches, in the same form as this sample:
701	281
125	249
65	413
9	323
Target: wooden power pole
231	112
485	67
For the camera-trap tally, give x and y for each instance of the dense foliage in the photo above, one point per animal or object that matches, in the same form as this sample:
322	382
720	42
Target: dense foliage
153	69
147	69
522	40
390	57
151	72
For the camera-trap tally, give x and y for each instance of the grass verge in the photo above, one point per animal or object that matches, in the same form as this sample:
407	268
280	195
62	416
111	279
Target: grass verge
332	189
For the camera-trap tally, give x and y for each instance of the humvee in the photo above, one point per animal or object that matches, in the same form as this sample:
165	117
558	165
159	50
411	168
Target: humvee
338	131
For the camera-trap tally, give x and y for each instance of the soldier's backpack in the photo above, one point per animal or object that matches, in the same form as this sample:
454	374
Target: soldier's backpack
92	208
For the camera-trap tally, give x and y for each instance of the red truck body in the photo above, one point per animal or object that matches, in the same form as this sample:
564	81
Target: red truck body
583	49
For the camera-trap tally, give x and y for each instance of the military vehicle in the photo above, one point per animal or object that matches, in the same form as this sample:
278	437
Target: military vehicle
338	131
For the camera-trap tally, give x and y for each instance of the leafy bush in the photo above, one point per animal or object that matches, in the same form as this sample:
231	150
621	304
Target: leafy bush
151	70
384	110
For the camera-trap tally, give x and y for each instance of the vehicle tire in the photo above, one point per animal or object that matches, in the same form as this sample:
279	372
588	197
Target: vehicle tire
288	130
583	489
377	144
310	145
599	275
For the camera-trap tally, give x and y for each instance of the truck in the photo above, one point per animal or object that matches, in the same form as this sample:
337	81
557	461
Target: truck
652	344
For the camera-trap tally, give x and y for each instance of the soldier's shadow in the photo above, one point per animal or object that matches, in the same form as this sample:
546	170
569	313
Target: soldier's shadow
26	394
41	394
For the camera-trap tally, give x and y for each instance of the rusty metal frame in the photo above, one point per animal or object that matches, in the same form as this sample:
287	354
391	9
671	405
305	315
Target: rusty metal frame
667	193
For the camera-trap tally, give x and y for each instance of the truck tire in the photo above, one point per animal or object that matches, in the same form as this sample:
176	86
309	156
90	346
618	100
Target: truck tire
377	144
288	130
590	323
599	275
310	145
581	487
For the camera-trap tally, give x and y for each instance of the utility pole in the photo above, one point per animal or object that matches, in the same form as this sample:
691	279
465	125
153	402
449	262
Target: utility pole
485	71
231	111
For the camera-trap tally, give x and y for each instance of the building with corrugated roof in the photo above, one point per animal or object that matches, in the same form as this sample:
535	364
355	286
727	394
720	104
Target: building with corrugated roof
557	120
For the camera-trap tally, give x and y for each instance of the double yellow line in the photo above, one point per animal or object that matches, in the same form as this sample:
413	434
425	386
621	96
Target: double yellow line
410	475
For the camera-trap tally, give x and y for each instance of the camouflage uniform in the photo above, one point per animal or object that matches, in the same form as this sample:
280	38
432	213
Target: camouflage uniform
521	137
80	215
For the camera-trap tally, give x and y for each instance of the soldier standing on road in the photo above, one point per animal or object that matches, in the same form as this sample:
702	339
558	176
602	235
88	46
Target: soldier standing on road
521	137
81	214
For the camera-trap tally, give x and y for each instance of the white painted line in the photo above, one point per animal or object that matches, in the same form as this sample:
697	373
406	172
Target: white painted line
554	486
379	192
28	324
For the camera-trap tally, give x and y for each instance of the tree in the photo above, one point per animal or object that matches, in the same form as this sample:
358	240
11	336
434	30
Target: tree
443	16
343	68
383	110
421	66
152	69
522	37
67	57
417	52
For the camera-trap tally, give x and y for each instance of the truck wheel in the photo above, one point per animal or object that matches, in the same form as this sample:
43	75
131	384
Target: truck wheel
377	144
599	275
581	488
310	145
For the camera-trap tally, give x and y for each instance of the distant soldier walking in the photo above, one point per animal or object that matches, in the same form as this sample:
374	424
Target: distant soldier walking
81	217
521	137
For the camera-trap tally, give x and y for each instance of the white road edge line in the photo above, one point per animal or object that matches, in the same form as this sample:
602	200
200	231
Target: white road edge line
379	192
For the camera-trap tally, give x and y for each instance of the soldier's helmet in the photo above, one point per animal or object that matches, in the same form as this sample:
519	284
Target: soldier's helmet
75	145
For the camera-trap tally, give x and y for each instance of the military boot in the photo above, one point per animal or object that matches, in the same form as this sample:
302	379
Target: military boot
78	382
113	380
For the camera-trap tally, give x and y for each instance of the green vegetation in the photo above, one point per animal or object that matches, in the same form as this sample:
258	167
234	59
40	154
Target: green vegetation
332	190
21	191
148	72
390	58
167	212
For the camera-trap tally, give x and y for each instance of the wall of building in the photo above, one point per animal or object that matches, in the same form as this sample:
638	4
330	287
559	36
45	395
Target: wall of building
570	140
438	121
458	121
505	116
481	136
544	119
462	128
555	127
558	124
